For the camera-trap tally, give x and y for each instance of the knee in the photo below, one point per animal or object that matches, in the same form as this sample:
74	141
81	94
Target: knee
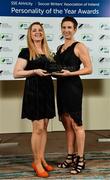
69	131
38	131
78	129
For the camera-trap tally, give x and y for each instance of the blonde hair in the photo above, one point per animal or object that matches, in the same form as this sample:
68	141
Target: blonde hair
33	51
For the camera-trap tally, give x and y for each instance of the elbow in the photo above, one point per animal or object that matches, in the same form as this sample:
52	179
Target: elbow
15	75
90	70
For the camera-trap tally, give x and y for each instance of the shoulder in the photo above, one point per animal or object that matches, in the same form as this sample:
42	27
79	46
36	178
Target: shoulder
59	47
24	53
81	47
24	50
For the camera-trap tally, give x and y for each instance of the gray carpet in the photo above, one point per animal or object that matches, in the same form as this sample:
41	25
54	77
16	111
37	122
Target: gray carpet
19	167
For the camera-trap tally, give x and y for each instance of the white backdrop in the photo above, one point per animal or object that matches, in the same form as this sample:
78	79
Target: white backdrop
94	32
93	29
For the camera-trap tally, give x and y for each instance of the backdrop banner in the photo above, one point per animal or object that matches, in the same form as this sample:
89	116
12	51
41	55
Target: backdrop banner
93	30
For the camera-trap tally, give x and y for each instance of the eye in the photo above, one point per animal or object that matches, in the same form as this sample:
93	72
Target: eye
34	30
40	30
37	30
69	27
63	27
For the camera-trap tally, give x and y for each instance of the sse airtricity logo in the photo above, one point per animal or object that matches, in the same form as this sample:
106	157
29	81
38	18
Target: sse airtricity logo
6	60
104	37
104	60
104	71
84	26
87	37
23	25
6	37
22	37
104	49
5	25
5	49
104	26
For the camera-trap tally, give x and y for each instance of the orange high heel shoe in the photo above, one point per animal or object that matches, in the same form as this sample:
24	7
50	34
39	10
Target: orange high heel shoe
49	168
39	174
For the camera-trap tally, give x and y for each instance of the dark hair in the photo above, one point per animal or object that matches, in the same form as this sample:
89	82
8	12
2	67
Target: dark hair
71	19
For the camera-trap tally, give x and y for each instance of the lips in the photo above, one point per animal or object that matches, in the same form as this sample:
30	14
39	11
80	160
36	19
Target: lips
37	35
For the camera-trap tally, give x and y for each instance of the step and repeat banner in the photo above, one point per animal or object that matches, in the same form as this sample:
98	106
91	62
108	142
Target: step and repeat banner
93	30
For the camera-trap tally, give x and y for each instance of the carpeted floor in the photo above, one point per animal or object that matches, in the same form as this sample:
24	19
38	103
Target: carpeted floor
19	167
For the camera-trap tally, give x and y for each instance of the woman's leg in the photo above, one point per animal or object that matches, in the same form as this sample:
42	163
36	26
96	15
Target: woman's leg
37	133
43	142
80	138
70	135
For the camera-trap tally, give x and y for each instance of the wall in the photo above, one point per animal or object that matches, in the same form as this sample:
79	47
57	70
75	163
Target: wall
96	105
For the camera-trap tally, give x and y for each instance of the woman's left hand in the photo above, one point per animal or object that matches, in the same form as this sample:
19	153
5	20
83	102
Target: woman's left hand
63	73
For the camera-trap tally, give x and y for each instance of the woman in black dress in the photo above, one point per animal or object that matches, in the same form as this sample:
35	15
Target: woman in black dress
38	100
69	56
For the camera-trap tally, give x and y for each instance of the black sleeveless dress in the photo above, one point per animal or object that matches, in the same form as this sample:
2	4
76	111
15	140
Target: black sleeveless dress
38	99
69	89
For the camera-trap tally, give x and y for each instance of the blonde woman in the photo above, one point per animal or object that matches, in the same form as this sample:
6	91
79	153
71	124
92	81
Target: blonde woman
38	100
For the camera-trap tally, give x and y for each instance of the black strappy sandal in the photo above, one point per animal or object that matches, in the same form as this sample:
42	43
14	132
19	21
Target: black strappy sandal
70	160
79	166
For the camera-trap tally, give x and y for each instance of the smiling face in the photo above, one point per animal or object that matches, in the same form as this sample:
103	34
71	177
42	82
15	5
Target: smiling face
37	33
68	30
36	41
